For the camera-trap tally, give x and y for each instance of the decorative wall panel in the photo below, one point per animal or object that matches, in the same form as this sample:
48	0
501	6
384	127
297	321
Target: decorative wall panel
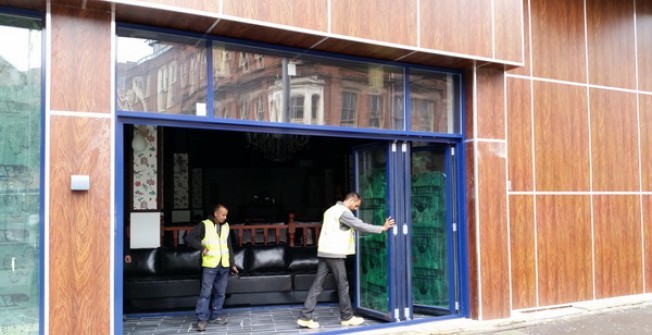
81	80
381	20
645	120
507	29
564	249
617	230
558	43
644	44
611	43
472	229
80	226
308	14
525	69
519	134
492	215
145	168
211	6
522	246
491	103
561	141
647	241
614	141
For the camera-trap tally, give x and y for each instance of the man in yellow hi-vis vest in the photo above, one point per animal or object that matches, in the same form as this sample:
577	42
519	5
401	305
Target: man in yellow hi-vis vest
336	241
211	236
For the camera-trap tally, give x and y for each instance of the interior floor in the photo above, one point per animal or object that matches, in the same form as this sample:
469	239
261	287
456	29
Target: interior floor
245	320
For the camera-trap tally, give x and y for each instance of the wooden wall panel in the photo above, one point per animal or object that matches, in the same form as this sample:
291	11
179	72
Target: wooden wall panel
462	26
644	46
614	140
381	20
521	232
558	43
647	240
617	230
564	249
491	103
508	27
645	112
81	60
519	134
561	141
611	43
469	96
211	6
525	69
80	231
472	227
492	215
309	14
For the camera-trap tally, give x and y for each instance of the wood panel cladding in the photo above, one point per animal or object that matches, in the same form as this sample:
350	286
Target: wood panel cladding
472	226
211	6
309	14
492	220
81	60
558	43
614	140
561	141
163	18
645	123
522	246
519	134
564	248
381	20
644	44
617	230
490	103
508	27
647	240
611	43
80	226
525	69
462	26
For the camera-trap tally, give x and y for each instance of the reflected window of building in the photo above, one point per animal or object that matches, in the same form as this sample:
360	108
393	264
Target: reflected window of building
176	65
375	111
296	109
20	170
349	105
434	102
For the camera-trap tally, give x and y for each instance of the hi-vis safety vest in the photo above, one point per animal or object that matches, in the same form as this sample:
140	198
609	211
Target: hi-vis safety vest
218	248
333	240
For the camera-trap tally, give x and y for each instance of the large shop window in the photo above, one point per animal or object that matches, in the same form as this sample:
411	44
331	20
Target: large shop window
20	168
163	73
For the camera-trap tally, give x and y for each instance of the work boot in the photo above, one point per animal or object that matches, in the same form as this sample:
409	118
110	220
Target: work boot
201	325
308	323
220	320
354	321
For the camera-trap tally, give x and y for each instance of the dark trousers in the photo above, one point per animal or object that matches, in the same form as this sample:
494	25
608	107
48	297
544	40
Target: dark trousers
336	266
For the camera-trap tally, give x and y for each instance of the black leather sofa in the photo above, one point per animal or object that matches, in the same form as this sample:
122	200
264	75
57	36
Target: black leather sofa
170	278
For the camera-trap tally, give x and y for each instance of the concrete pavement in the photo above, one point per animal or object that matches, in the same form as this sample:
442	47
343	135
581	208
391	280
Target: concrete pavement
630	315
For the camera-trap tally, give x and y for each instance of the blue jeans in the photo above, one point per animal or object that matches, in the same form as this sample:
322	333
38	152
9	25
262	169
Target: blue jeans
213	292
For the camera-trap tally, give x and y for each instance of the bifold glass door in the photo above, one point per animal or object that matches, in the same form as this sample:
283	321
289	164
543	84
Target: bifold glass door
412	268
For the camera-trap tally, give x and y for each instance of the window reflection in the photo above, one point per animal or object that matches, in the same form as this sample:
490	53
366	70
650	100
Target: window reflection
432	102
161	73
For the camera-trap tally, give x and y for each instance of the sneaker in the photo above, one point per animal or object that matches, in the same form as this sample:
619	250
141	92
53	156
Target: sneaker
308	324
201	325
220	320
354	321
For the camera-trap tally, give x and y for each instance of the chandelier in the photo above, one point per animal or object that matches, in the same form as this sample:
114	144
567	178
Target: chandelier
276	147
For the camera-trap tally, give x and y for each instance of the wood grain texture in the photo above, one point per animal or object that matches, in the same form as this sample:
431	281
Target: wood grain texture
558	43
491	103
519	134
308	14
614	140
561	141
472	227
525	69
80	231
265	34
644	44
647	240
210	6
508	28
617	230
521	232
355	48
162	18
81	60
380	20
33	5
492	198
564	249
645	113
446	25
611	43
469	96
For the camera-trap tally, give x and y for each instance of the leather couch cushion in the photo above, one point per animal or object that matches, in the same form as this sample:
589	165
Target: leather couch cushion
303	259
179	261
143	263
267	259
239	258
259	284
